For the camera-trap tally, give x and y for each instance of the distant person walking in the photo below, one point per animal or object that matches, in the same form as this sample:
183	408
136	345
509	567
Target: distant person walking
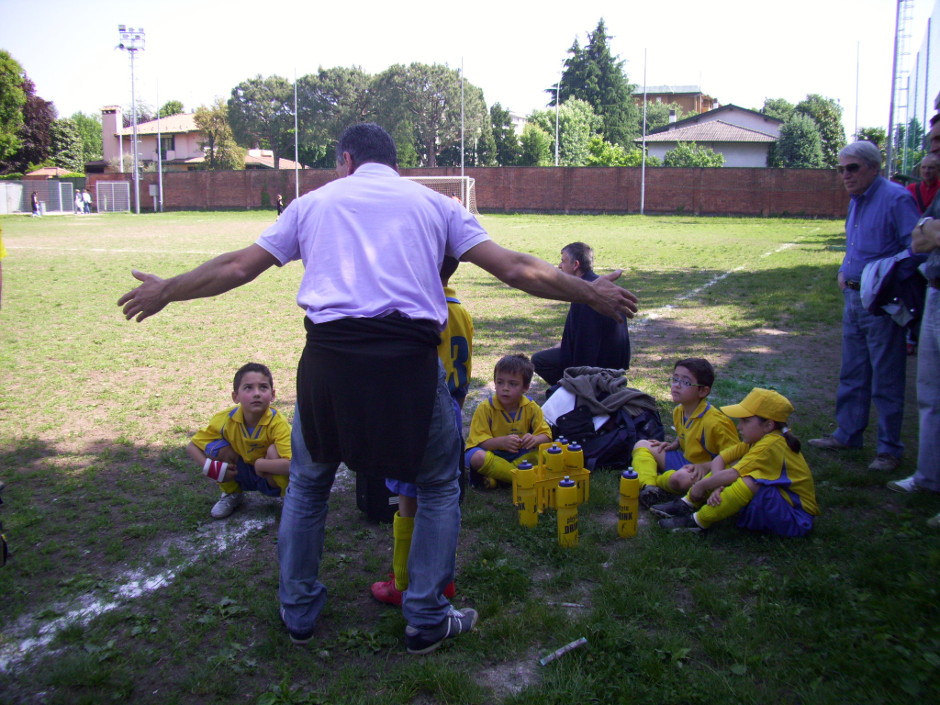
79	203
34	201
280	205
86	200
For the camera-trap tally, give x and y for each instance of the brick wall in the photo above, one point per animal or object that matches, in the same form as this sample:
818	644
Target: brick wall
717	191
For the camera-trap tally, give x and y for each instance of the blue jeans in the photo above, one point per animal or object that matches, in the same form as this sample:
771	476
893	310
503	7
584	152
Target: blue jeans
874	360
928	394
433	543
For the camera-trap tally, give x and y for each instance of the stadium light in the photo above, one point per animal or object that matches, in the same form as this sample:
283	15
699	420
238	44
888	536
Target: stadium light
132	41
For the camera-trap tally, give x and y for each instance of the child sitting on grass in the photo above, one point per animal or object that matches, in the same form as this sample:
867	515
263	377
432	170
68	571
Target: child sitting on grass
701	432
764	479
508	427
246	447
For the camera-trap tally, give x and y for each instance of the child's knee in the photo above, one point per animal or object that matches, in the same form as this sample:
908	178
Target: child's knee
680	481
477	458
642	444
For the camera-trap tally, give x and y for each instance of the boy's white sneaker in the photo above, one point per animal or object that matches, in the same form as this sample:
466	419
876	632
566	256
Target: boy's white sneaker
227	504
905	485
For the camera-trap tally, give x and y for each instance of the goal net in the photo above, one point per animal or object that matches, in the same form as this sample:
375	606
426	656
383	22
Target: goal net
463	187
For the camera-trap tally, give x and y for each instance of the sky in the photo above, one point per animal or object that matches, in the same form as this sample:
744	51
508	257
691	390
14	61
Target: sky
737	51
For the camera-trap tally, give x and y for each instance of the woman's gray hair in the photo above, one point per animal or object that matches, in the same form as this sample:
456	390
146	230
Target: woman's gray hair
868	152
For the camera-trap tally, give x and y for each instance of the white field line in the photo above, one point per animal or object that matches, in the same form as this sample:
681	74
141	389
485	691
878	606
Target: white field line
22	638
117	251
645	317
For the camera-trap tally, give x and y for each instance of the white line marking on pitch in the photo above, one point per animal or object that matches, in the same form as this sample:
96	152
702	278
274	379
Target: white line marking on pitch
22	638
651	315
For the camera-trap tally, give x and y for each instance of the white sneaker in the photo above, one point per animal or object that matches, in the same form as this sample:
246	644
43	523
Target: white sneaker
227	504
905	485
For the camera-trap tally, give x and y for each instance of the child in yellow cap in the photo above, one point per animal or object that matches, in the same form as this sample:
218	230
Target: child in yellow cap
764	479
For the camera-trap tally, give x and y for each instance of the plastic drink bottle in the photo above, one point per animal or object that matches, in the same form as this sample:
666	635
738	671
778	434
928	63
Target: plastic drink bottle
629	508
574	458
525	484
555	458
566	503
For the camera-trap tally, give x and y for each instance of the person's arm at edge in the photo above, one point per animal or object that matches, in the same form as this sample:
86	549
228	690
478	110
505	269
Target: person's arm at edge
539	278
218	275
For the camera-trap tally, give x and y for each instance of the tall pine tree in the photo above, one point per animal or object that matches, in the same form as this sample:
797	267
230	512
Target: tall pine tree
596	76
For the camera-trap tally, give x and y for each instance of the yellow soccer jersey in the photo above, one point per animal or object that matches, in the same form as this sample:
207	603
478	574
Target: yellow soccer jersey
771	462
491	420
705	434
456	348
250	445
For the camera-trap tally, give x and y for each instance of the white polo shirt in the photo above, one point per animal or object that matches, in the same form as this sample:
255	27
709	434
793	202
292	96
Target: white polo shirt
372	244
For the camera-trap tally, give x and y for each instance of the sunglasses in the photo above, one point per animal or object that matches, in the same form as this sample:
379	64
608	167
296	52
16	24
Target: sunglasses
851	168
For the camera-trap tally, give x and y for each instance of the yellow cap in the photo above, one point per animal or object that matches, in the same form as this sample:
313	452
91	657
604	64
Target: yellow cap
765	403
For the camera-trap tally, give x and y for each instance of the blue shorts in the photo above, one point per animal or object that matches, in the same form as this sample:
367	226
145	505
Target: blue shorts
246	477
769	511
675	460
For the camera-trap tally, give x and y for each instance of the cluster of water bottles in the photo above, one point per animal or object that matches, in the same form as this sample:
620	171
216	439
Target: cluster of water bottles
561	482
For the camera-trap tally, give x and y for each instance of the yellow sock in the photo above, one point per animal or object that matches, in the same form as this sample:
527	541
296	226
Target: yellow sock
402	527
644	463
281	481
497	468
230	487
662	481
734	498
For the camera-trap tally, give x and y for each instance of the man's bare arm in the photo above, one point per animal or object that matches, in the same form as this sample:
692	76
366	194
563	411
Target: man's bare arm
211	278
926	238
539	278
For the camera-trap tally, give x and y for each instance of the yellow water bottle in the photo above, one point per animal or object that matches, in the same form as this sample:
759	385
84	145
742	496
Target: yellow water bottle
629	504
566	504
574	458
525	493
555	458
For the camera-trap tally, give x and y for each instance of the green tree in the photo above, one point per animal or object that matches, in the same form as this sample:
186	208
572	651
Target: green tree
327	102
606	154
577	125
12	100
779	108
799	145
218	142
657	115
827	114
172	107
35	135
429	98
535	147
261	114
596	76
876	135
66	146
689	154
504	135
89	129
404	136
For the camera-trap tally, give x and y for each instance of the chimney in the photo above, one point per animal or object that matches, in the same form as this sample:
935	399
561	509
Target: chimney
672	116
111	124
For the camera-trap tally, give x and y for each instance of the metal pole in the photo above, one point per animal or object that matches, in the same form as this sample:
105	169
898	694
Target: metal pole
296	147
132	41
159	207
889	148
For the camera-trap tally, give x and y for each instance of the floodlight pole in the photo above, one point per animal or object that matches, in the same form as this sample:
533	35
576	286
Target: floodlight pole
132	41
557	105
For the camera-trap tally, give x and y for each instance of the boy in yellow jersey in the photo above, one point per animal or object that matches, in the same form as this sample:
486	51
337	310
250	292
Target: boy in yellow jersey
456	354
764	479
508	427
671	467
246	447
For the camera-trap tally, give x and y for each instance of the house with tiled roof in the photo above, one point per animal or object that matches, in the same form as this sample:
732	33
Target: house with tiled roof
179	139
743	136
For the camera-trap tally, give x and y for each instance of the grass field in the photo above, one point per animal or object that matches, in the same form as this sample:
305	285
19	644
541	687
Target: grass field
120	588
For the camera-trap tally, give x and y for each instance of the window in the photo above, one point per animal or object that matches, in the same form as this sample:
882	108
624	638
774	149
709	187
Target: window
167	144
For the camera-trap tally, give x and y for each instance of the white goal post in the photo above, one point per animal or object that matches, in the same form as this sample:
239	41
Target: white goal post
463	187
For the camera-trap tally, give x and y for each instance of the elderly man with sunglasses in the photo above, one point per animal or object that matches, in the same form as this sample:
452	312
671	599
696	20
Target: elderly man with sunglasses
881	217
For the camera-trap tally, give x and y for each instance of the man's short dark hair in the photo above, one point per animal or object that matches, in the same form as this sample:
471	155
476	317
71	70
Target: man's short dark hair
367	142
252	367
701	370
516	365
582	253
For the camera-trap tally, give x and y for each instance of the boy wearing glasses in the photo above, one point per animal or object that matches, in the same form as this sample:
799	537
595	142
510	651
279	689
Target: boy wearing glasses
667	468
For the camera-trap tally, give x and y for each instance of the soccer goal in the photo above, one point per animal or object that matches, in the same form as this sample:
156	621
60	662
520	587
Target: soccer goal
463	187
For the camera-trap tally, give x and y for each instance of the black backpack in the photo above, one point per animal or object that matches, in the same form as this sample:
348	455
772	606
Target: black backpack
611	446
